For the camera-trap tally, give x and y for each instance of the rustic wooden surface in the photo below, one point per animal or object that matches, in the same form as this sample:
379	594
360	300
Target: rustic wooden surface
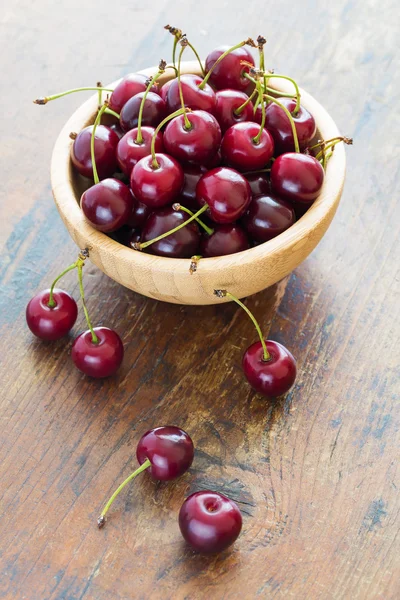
315	474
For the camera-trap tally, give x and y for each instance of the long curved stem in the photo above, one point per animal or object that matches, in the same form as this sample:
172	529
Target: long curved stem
143	245
256	140
289	116
160	126
188	124
198	58
207	229
51	303
297	107
268	89
222	294
101	520
46	99
108	111
240	108
220	58
92	155
139	137
79	265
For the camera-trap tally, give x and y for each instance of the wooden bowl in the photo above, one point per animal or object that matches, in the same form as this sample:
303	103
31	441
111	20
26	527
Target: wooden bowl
169	279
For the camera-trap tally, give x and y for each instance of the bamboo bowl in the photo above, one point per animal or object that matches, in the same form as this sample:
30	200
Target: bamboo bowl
169	279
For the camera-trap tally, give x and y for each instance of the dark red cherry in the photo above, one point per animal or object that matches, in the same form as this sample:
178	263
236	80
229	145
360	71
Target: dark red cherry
226	239
51	323
226	192
227	102
107	204
270	378
129	151
259	183
229	73
194	97
105	146
267	217
240	151
154	111
139	214
209	521
297	177
181	244
157	187
169	449
164	90
100	359
129	86
279	126
192	174
198	144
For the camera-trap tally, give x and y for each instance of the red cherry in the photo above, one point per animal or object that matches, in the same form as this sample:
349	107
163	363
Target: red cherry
259	183
226	192
270	378
105	146
181	244
129	86
193	97
227	102
197	144
226	239
267	217
154	111
229	73
51	323
297	177
240	151
278	125
164	90
107	204
139	214
100	359
129	151
157	187
192	174
169	449
209	521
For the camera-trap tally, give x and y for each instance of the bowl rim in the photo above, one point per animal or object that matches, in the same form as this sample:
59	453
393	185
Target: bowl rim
69	209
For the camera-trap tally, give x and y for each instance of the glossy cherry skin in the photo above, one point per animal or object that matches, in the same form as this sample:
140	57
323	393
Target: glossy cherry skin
107	205
192	174
105	147
164	90
267	217
209	521
169	449
181	244
227	102
129	152
154	111
157	187
259	183
101	359
241	152
51	323
129	86
279	126
226	192
226	239
229	73
270	378
198	144
297	177
193	96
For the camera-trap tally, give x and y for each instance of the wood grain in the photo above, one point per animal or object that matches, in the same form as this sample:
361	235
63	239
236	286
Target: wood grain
316	474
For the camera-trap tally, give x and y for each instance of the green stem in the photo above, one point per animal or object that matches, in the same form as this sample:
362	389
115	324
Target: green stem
221	294
289	116
238	110
198	58
297	107
99	98
268	89
139	137
187	125
79	265
101	520
256	140
51	303
174	50
143	245
108	111
207	229
177	113
96	122
47	99
219	59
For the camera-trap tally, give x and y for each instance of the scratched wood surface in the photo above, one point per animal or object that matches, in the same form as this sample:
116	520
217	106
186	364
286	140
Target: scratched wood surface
315	474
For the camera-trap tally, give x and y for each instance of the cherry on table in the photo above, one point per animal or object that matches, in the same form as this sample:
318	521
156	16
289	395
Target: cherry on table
226	192
105	146
197	144
228	101
181	244
154	111
98	359
226	239
130	151
193	97
267	216
209	521
51	322
273	377
279	126
157	186
241	149
229	73
129	86
297	177
107	205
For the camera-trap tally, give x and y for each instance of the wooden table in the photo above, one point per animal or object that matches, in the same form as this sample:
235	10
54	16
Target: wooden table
315	474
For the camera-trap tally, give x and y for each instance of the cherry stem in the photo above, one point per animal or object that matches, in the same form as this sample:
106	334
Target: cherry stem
207	229
188	124
256	140
224	293
289	116
52	303
198	58
108	111
297	107
92	155
268	89
101	520
330	143
79	264
177	113
143	245
100	95
46	99
161	70
238	110
220	58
